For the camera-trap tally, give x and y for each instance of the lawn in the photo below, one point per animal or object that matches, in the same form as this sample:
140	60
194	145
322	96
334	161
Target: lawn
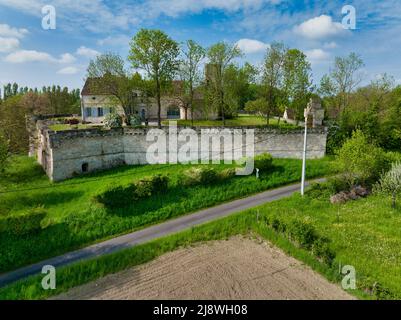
241	120
362	233
75	219
66	127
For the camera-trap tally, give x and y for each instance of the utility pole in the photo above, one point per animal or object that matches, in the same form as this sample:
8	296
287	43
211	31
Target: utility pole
306	115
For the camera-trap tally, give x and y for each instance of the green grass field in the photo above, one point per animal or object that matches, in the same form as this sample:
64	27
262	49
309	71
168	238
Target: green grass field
241	120
75	219
63	127
363	233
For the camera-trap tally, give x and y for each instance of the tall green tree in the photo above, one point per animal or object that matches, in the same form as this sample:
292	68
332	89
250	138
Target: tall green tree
342	80
236	83
297	81
107	74
157	54
220	56
192	56
272	78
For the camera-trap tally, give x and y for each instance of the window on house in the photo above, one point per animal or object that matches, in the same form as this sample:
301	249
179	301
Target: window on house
88	112
100	112
85	167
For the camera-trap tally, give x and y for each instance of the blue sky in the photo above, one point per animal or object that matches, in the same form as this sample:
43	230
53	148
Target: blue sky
33	56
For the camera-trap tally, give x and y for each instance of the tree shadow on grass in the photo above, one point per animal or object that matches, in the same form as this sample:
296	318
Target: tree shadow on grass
22	171
12	201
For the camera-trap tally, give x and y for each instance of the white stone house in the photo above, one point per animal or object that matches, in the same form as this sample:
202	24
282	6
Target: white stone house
94	107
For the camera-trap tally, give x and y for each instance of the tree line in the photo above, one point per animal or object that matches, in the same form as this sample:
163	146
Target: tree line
18	102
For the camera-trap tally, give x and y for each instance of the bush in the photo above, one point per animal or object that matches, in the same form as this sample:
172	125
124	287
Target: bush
143	189
117	196
303	233
28	223
321	248
337	184
134	120
123	196
360	161
200	176
393	157
227	174
159	183
318	190
72	121
112	120
390	183
152	185
263	162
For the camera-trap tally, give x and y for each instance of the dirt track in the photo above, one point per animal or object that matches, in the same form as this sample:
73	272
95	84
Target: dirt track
239	268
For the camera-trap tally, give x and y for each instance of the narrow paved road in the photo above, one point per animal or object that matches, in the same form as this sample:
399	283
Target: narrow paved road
153	232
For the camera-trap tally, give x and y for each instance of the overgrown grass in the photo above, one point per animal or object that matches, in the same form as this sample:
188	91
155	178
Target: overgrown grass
75	219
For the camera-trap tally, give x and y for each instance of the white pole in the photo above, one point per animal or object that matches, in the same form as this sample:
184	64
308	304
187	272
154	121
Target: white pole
304	158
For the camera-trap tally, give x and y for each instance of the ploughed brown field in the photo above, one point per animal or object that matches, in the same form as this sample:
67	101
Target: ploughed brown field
239	268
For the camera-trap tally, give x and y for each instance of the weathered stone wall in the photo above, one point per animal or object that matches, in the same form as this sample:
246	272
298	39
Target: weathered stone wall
64	154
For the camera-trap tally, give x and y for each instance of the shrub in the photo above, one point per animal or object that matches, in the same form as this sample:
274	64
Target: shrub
360	161
159	183
72	121
117	196
123	196
152	185
390	183
337	184
112	120
303	233
263	162
321	248
200	176
318	190
28	223
143	189
393	156
226	174
134	120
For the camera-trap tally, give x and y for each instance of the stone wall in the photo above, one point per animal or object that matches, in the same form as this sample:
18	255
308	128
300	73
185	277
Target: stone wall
65	154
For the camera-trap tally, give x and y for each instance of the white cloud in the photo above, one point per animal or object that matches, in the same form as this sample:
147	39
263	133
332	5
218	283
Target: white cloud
8	44
23	56
10	32
68	70
317	55
319	28
100	15
252	46
67	58
87	52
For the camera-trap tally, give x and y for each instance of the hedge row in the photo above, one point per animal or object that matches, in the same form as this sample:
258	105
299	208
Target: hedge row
303	234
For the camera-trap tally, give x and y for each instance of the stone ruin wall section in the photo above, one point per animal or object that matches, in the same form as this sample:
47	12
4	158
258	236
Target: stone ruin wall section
68	152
